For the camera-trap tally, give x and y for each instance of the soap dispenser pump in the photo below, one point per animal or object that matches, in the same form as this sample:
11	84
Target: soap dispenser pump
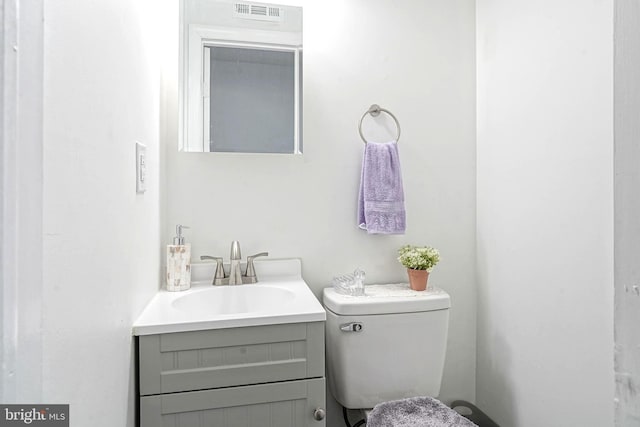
179	263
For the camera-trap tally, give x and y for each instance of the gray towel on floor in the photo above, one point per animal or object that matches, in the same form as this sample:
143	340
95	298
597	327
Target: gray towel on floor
416	412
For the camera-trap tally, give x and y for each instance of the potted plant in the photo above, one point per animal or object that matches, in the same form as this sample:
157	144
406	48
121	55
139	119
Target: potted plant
419	262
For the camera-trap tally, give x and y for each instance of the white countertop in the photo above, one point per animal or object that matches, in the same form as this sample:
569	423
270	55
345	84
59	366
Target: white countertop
163	315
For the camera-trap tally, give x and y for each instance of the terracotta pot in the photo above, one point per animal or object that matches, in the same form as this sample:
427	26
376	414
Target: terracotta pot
418	279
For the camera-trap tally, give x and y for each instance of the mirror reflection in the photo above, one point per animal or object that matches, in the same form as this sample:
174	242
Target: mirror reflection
240	77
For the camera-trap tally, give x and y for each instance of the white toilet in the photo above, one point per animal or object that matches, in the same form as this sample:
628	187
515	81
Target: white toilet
387	345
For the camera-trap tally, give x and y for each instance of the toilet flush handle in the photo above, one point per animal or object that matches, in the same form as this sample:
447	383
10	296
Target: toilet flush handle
351	327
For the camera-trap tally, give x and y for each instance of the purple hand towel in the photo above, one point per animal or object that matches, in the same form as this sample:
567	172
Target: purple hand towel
381	198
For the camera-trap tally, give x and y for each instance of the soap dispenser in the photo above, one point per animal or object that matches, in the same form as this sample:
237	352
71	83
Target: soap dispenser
179	263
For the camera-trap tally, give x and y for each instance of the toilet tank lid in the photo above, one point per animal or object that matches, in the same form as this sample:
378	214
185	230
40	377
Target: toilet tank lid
387	299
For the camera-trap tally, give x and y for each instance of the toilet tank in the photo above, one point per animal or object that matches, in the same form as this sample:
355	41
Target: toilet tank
387	345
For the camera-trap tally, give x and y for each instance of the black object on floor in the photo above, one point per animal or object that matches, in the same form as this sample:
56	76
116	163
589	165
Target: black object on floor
472	413
345	415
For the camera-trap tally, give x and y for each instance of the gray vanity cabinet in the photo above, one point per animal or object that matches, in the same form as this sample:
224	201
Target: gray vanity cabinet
267	376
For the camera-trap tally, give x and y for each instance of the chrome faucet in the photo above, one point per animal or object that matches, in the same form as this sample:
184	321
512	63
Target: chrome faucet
235	276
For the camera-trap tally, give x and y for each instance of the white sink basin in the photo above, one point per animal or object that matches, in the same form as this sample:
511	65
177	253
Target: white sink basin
281	296
223	300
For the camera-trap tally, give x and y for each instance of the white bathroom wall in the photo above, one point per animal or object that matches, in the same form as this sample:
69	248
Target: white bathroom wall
545	212
416	60
21	78
627	212
101	239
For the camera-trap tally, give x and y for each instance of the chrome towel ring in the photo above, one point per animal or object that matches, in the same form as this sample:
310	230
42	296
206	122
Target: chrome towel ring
375	110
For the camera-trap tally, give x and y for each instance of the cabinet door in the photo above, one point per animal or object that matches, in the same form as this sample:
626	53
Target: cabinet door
285	404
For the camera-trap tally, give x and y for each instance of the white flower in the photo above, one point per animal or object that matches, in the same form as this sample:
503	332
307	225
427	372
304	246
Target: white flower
419	258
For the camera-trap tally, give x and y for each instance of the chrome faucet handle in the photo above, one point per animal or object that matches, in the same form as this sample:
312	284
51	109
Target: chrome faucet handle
251	272
219	276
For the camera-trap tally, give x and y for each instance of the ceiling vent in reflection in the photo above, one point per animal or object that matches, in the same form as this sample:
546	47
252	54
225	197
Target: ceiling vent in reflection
261	12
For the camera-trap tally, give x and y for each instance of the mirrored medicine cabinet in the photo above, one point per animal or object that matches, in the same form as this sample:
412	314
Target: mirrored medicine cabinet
240	77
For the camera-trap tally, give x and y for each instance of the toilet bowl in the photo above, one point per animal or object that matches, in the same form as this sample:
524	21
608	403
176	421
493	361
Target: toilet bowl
387	345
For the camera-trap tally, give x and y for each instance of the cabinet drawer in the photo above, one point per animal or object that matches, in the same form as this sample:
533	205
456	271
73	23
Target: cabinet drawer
199	360
287	404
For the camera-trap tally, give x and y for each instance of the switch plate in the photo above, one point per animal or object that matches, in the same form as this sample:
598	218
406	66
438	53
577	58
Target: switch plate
141	167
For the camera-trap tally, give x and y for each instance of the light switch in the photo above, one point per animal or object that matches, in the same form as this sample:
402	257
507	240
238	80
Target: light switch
141	167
